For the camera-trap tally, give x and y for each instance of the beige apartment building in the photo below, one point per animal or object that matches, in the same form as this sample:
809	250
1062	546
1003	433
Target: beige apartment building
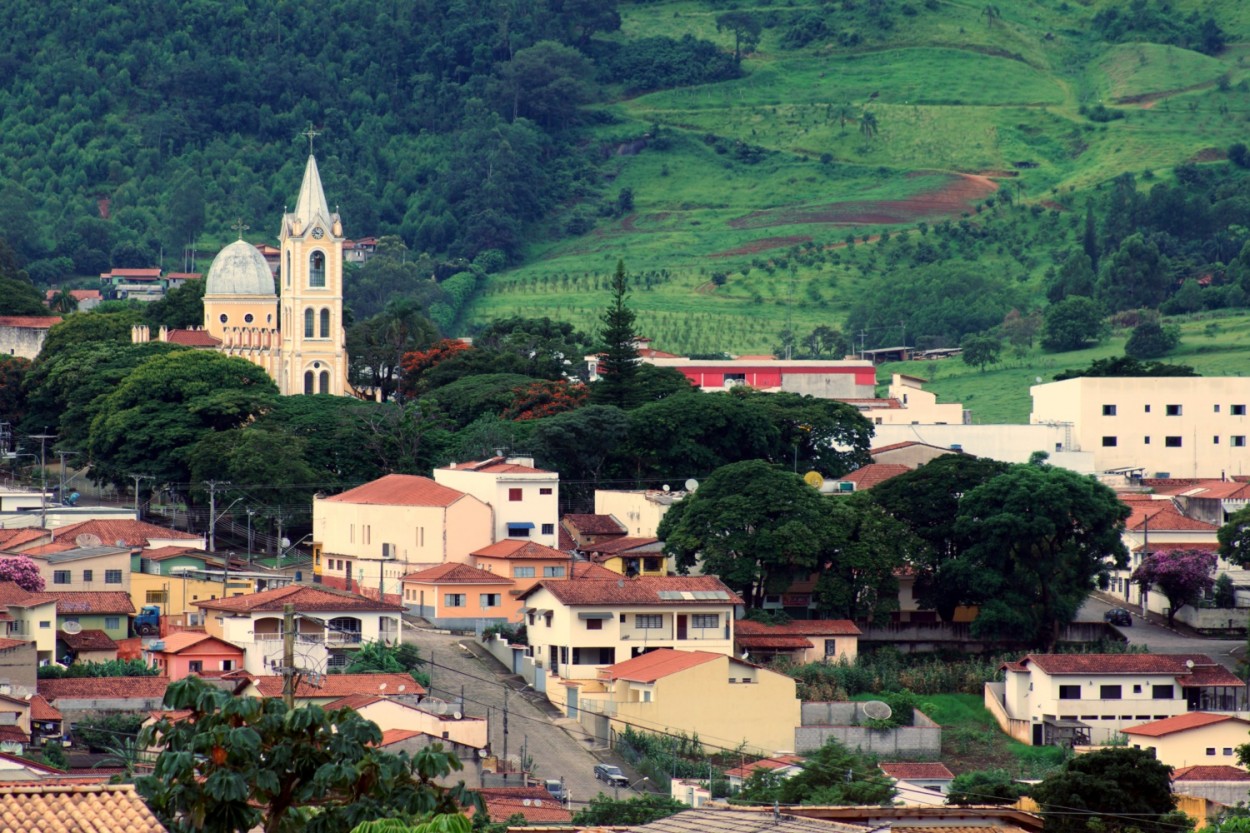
1178	426
525	500
638	510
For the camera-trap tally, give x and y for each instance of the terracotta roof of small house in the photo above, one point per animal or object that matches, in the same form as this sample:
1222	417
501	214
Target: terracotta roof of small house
355	701
400	490
494	465
1205	671
9	644
595	524
71	602
88	640
83	808
41	709
535	803
30	322
13	734
1210	773
11	538
516	549
342	685
305	598
1212	489
933	771
770	764
1162	516
170	551
456	573
13	596
799	627
773	642
390	736
642	590
192	338
662	662
1179	723
182	640
49	548
76	294
111	688
873	474
127	272
596	572
126	533
612	547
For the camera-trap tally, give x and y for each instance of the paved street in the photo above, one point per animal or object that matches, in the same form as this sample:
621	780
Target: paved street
555	753
1160	640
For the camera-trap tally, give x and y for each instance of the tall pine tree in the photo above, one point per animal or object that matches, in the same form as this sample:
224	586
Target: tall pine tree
618	363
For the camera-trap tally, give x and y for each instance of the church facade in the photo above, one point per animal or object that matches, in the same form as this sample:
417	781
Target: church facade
294	330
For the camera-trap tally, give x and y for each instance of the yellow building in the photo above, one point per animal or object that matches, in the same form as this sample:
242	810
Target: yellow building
1193	739
723	700
295	332
639	510
177	595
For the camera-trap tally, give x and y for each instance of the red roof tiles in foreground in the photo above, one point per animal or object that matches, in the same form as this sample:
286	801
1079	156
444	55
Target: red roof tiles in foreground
651	666
124	533
70	602
874	474
642	590
10	539
918	772
1180	723
87	640
1162	516
9	644
390	736
41	709
342	685
43	808
454	573
535	803
400	490
1210	773
305	597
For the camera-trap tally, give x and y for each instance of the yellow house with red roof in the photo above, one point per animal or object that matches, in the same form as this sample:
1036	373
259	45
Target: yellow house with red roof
1191	739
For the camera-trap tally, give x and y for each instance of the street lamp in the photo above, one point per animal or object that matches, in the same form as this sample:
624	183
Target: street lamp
616	788
43	473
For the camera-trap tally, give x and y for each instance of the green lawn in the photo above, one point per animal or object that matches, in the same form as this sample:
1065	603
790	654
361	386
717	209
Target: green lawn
971	740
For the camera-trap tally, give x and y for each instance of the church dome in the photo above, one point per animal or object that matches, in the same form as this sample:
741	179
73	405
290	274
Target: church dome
239	269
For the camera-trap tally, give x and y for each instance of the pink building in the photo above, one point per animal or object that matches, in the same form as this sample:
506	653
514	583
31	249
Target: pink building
193	652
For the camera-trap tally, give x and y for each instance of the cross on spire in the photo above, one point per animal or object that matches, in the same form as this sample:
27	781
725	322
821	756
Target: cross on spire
311	133
240	227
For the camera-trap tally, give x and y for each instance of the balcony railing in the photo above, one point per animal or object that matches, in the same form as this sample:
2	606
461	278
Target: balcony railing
332	638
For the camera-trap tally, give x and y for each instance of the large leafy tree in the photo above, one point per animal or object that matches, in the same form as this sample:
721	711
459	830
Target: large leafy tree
237	764
13	373
1108	791
618	365
863	549
1041	538
823	434
604	811
754	524
166	405
832	775
182	307
1182	576
927	501
23	572
691	436
548	349
377	345
1234	538
1073	323
582	446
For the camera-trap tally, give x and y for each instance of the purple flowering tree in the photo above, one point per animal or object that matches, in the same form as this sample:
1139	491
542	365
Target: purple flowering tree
21	571
1180	575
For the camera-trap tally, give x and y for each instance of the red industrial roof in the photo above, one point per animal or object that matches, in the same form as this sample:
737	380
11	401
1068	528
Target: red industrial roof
124	533
304	597
454	573
865	477
1210	773
663	662
917	771
1179	723
400	490
517	549
595	524
342	685
642	590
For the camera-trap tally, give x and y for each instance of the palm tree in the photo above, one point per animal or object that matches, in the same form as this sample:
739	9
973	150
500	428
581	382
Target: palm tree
868	125
63	302
845	113
128	755
991	14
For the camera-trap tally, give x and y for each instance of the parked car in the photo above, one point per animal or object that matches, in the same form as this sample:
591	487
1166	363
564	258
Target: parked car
555	786
611	774
1118	616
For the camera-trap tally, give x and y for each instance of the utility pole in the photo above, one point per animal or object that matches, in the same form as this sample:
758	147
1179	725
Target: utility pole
505	725
288	656
250	513
136	478
212	512
43	474
63	455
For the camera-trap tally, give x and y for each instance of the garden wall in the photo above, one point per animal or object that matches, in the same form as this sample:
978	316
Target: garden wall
841	722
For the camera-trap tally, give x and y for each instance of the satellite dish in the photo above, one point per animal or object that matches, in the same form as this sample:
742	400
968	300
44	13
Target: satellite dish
482	753
401	688
691	485
878	710
456	715
538	802
666	488
814	479
382	687
286	542
88	539
1189	663
527	802
72	627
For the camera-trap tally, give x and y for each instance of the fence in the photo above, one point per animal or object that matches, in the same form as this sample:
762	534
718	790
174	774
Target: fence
843	722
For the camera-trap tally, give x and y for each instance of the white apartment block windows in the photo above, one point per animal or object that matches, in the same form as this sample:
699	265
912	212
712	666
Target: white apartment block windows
1172	442
649	621
1238	410
1237	441
1108	442
705	620
1108	410
1173	410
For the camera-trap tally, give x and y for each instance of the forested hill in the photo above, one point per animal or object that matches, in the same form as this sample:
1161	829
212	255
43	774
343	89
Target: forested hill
174	117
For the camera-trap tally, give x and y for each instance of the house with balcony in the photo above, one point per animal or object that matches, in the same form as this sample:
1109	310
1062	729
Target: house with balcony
29	617
576	627
375	534
723	700
1082	699
330	625
526	563
525	500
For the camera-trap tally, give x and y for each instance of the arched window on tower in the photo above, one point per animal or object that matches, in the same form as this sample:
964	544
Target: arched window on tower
308	382
325	382
288	267
317	270
325	323
308	323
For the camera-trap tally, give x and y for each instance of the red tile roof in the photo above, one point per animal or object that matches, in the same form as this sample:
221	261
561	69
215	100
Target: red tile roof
169	551
517	549
390	736
41	709
400	490
1170	664
612	547
76	294
1180	723
588	570
643	590
50	548
70	602
1210	773
83	808
1208	490
8	644
918	772
182	640
342	685
799	627
495	465
305	598
30	322
564	540
13	596
112	688
355	701
535	803
125	533
770	764
13	734
777	642
651	666
1162	516
192	338
873	474
595	524
881	449
131	273
11	538
88	640
455	573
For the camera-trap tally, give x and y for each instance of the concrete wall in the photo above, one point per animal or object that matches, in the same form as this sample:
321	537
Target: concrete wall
994	699
17	668
74	709
500	649
834	721
1009	443
1212	619
21	341
1229	793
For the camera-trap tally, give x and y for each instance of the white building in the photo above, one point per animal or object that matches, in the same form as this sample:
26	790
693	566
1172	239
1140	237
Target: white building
525	500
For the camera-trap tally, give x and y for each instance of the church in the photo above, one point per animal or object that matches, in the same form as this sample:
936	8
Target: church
294	331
